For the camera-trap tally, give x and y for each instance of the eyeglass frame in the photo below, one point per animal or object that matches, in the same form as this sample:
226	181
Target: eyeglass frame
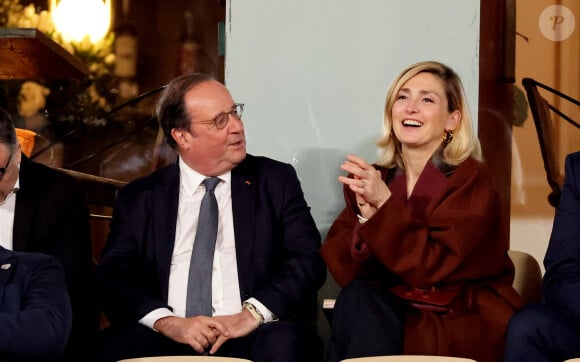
3	169
237	111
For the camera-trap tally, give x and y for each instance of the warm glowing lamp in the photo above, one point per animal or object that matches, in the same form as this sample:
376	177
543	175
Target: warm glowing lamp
77	19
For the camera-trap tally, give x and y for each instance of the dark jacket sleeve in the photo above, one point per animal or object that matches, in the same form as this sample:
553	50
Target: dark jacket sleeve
286	267
35	314
52	217
561	285
132	275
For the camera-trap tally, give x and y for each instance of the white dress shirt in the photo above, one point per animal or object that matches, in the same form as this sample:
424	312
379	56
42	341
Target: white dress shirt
226	297
7	208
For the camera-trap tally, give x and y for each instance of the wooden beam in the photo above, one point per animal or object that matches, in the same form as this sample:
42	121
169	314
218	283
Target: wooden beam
27	53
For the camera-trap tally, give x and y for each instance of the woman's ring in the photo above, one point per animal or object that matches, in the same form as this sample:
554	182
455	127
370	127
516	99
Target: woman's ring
363	183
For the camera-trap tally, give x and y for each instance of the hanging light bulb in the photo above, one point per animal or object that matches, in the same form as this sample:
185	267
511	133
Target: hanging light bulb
77	19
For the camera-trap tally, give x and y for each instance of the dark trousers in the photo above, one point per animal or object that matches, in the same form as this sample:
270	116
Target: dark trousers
367	320
540	332
272	342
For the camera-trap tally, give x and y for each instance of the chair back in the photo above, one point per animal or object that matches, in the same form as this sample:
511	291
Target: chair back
409	358
27	139
528	276
38	148
101	192
547	137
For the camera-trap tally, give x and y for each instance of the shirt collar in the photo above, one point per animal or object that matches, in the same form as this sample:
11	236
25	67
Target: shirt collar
191	179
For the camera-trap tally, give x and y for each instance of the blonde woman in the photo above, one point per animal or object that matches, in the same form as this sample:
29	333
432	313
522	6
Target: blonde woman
420	248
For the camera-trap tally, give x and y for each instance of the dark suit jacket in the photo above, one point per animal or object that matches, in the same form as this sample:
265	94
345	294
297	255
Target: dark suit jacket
35	311
277	242
52	217
561	285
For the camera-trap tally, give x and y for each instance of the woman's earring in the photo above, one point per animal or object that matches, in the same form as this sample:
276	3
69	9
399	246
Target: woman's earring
447	136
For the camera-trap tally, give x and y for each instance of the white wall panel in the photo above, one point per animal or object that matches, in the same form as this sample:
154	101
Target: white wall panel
314	73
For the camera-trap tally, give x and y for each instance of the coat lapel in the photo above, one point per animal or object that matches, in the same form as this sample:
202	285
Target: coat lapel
430	186
244	186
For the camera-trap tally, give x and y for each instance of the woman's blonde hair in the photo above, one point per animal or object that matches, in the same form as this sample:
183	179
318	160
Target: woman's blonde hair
464	143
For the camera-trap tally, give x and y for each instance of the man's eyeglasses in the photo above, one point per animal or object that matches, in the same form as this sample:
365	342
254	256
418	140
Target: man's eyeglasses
3	169
222	119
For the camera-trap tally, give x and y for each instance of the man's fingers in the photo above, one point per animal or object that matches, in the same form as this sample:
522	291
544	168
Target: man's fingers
219	327
210	334
197	346
219	342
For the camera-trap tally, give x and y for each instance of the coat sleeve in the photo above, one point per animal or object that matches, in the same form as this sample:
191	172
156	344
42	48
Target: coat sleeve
39	320
343	256
561	286
458	235
346	255
452	235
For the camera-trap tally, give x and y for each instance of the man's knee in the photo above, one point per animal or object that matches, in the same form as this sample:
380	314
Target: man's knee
287	341
531	322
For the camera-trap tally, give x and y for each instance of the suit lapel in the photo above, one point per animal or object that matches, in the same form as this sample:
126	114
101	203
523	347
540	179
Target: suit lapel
244	185
165	207
26	207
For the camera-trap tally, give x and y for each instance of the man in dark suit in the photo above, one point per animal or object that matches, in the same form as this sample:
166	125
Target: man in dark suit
549	331
266	266
35	311
47	213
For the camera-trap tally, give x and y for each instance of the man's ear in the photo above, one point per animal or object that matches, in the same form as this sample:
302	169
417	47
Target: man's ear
180	136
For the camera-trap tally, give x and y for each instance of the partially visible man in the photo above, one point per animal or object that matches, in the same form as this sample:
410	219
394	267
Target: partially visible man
266	268
550	331
44	210
35	310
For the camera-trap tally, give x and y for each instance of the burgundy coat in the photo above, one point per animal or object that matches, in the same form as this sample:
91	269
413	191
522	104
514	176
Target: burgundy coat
449	232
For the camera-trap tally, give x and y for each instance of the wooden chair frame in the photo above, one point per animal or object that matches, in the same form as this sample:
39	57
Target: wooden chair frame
541	113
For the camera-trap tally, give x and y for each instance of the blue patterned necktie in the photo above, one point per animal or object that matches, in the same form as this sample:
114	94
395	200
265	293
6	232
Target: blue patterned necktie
199	282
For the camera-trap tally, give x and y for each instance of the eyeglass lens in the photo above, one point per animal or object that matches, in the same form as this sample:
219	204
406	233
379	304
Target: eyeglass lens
222	119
